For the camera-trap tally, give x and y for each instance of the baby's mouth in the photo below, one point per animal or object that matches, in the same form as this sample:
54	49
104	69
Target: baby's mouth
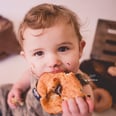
56	71
67	71
59	70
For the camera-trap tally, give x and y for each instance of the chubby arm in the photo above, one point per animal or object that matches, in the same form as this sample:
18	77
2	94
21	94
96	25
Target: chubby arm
24	82
18	89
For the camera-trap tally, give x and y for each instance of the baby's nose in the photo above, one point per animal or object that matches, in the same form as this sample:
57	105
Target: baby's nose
54	61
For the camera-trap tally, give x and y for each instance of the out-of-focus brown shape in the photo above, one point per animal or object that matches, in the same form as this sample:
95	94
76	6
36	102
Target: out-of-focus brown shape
8	42
103	56
104	46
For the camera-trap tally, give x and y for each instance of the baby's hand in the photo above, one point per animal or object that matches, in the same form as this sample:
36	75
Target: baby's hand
15	101
78	107
14	98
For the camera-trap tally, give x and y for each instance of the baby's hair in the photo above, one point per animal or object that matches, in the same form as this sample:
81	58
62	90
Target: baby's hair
47	15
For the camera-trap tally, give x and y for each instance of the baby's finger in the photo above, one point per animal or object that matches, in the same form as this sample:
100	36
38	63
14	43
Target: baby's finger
90	104
65	108
12	105
82	105
73	107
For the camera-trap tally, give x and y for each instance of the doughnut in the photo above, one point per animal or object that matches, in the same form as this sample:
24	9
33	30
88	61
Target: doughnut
103	99
54	88
112	71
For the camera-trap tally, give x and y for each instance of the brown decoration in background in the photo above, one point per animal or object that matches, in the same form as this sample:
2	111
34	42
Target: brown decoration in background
103	55
8	42
104	46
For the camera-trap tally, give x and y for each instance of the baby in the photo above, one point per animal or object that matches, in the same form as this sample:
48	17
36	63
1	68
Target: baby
51	42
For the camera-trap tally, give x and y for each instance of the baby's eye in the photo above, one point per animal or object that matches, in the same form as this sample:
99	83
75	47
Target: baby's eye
38	53
63	49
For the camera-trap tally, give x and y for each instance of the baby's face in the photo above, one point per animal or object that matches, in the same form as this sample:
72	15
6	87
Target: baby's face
53	49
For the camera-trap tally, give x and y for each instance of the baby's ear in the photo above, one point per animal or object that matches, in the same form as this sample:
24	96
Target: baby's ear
81	46
22	53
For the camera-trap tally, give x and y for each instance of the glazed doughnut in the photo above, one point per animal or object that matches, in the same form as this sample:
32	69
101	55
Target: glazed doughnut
103	99
54	88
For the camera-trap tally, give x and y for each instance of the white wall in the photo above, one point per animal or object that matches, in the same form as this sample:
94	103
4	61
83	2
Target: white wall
88	10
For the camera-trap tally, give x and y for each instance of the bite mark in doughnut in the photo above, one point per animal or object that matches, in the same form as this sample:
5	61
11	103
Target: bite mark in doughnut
54	88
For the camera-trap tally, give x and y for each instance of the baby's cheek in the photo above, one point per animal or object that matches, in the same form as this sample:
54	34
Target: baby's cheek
37	70
73	66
